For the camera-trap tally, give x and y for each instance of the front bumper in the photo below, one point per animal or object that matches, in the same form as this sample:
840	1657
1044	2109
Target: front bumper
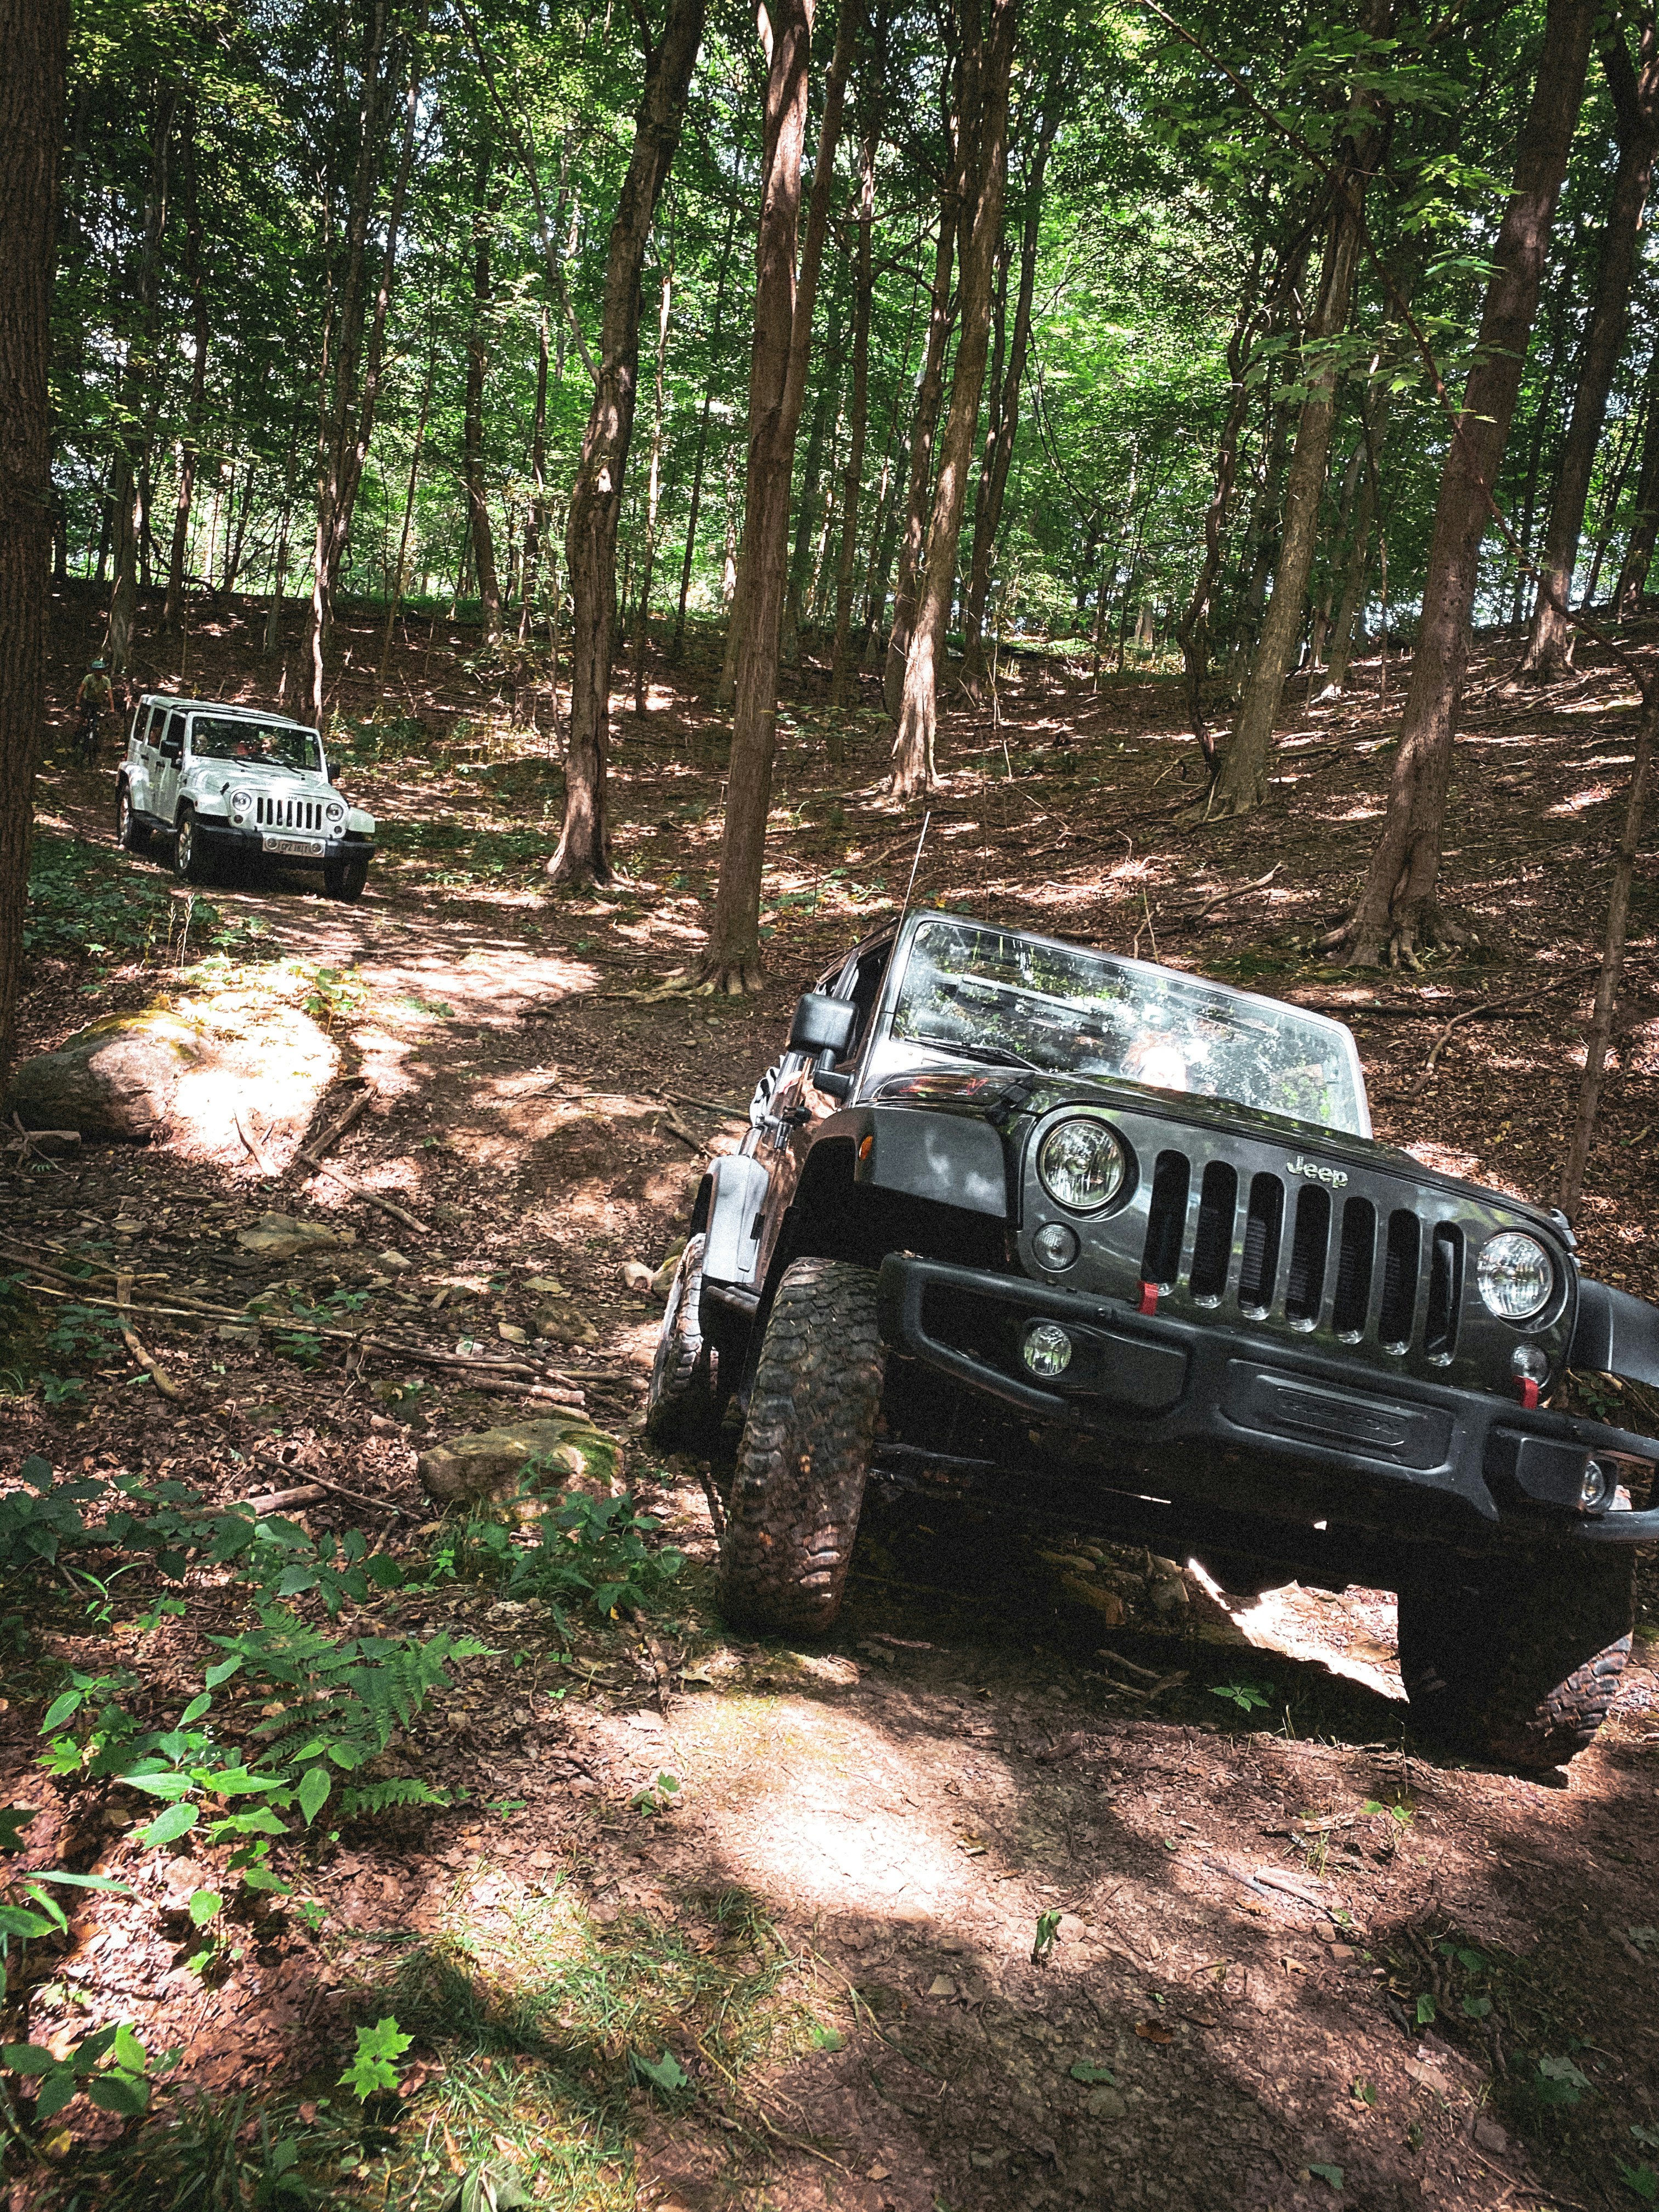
1209	1395
249	843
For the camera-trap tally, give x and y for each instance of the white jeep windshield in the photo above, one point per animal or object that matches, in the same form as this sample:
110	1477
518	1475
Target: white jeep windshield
277	745
986	994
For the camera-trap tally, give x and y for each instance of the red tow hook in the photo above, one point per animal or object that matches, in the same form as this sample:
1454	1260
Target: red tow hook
1149	1294
1529	1390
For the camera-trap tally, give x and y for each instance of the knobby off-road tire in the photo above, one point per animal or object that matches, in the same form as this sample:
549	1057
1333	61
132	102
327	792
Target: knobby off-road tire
1519	1662
190	854
805	1452
345	879
130	835
681	1409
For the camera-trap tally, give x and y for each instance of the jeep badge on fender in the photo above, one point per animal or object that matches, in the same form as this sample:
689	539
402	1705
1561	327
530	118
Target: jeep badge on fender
1035	1224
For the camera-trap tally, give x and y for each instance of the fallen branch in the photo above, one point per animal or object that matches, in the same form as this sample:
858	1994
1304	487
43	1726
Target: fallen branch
311	1155
1489	1008
259	1158
542	1392
152	1367
26	1142
707	1106
374	1198
1190	920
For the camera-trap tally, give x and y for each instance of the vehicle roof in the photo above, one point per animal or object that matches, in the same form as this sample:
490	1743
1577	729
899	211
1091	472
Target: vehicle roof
224	707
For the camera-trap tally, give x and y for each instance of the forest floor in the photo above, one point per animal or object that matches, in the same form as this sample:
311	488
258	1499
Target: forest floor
1291	1956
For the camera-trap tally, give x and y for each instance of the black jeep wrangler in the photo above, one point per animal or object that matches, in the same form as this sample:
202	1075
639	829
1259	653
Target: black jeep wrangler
1113	1245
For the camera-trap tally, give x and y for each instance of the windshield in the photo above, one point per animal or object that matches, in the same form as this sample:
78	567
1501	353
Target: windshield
277	745
983	994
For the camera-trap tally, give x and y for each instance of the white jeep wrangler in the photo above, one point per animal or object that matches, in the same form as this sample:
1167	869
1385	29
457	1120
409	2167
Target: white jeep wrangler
216	780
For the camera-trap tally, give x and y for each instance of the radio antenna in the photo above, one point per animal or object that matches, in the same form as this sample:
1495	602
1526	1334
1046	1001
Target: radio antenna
915	864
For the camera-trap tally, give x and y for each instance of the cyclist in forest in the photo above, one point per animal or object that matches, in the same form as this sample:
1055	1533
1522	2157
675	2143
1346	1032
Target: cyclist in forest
93	702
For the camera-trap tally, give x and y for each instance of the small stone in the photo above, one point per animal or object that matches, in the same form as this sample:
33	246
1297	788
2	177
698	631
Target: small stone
545	1287
1106	2105
1490	2136
505	1329
1106	1602
565	1324
941	1986
395	1263
1342	1953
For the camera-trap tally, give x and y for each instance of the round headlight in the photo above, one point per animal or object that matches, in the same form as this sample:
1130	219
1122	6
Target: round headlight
1081	1163
337	813
1515	1275
241	805
1047	1350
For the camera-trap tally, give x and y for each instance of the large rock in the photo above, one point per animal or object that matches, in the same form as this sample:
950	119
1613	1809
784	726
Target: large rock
184	1074
284	1236
116	1078
487	1468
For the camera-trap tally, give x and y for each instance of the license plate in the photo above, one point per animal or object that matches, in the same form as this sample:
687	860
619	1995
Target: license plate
309	847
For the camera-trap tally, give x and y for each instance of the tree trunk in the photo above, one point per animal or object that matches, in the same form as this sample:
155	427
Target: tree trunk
999	454
33	41
842	682
398	581
1398	908
127	508
1559	329
679	645
1644	525
924	423
913	746
777	383
596	497
535	533
478	360
654	490
1636	109
1241	784
1357	568
808	507
191	453
349	398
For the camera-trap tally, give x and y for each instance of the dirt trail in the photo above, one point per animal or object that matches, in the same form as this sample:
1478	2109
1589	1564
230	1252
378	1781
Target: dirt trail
1286	1958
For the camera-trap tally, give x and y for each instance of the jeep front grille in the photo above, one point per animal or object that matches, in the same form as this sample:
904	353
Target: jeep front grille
305	814
1415	1281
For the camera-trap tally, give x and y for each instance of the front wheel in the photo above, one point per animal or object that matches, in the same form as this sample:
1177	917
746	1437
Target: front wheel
190	857
1519	1662
128	834
682	1404
345	879
805	1453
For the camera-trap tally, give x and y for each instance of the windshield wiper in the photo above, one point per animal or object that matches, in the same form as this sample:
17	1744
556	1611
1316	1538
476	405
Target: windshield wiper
992	1055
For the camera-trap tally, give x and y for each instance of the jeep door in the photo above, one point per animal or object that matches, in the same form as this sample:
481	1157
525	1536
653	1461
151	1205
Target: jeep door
166	769
140	757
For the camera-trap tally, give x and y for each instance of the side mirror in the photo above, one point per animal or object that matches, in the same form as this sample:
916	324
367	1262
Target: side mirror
822	1024
172	749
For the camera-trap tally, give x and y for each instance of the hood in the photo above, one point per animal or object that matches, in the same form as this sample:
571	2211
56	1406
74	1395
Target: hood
260	775
1001	1097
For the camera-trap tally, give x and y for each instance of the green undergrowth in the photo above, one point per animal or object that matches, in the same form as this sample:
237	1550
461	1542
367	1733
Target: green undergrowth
525	2050
90	902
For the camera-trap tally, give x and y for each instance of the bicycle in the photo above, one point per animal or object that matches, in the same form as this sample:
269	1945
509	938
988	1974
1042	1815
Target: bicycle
89	732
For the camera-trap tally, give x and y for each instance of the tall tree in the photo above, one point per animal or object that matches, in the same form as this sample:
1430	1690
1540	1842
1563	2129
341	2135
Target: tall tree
1398	911
1635	90
191	453
1241	782
33	45
135	414
485	209
349	387
1008	374
989	52
1644	524
842	679
777	384
596	497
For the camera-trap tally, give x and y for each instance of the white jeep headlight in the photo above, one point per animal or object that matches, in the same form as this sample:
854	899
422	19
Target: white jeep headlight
242	805
1515	1276
1081	1163
336	813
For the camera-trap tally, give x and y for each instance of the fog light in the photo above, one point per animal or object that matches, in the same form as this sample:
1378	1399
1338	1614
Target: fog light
1596	1486
1047	1349
1530	1363
1056	1246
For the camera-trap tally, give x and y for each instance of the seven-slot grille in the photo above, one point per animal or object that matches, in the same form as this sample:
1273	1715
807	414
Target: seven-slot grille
1386	1274
303	814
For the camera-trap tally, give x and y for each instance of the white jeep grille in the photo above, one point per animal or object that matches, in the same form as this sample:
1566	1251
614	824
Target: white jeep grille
289	813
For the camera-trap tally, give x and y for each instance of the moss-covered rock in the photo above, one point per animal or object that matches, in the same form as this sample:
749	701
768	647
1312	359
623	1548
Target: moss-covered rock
559	1453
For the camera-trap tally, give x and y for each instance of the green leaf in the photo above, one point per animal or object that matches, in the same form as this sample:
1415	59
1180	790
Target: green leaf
314	1786
222	1672
169	1783
54	2093
1641	2180
1086	2070
119	2093
28	2058
1476	2007
195	1708
14	1921
167	1827
14	1818
1331	2174
827	2038
62	1706
204	1904
1425	2010
666	2073
261	1877
374	2069
106	1881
